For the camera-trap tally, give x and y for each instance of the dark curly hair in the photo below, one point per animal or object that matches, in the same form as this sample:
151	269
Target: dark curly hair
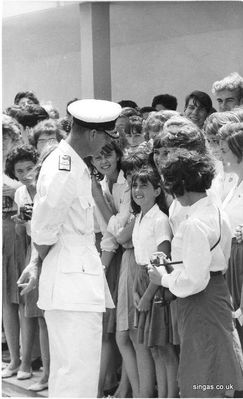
26	94
29	116
133	161
188	171
149	174
20	153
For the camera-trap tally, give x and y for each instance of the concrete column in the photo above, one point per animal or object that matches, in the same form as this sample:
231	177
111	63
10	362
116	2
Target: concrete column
95	50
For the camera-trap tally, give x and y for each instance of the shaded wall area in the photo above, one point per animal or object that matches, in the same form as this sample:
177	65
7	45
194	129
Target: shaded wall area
154	47
173	47
41	52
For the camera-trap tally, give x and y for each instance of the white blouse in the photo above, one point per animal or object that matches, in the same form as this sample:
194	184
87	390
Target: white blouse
192	243
149	232
119	203
233	206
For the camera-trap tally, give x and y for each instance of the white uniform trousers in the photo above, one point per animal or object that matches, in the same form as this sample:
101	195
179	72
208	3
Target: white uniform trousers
75	350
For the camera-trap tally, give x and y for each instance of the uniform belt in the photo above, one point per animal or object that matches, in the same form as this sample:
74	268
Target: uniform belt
218	273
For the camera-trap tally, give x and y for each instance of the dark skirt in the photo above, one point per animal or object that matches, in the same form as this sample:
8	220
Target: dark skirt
234	277
125	306
13	259
210	355
112	276
154	327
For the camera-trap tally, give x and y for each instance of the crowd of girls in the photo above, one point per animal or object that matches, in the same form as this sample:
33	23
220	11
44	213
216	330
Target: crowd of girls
168	219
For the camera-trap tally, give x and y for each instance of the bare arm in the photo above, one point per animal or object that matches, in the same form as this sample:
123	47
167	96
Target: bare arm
126	233
42	250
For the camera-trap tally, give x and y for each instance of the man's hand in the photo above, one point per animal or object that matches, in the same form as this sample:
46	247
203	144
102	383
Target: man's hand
28	279
156	274
17	219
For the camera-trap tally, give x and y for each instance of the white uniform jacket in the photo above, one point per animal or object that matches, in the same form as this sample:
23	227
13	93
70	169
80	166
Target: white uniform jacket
72	276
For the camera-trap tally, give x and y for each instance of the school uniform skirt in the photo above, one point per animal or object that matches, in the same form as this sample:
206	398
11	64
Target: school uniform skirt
154	328
112	277
210	356
13	258
234	278
125	305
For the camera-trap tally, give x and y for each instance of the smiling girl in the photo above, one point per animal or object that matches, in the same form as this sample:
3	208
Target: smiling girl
19	165
152	233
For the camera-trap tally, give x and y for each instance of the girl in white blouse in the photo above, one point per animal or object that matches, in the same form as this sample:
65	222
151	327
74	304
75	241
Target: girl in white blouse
112	211
210	358
231	146
156	357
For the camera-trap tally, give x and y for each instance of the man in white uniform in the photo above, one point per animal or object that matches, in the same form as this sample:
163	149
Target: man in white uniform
72	284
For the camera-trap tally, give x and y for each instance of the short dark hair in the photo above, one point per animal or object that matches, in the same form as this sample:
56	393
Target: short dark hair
149	174
127	103
147	109
233	134
20	153
178	133
48	127
26	94
129	111
28	117
134	160
167	100
202	98
188	171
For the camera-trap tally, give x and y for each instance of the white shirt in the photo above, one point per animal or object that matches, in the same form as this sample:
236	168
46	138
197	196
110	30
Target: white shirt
72	276
119	203
191	245
223	182
22	197
233	206
149	232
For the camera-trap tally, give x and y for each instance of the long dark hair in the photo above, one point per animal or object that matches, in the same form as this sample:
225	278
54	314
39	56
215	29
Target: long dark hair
149	174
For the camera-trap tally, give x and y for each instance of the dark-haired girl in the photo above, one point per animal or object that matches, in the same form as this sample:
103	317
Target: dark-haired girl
156	359
19	165
210	355
112	199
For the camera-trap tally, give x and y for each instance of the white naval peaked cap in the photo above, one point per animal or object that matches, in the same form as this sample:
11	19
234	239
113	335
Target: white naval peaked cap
95	111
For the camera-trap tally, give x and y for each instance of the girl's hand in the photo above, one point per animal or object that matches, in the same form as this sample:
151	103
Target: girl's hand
156	274
136	299
144	304
17	219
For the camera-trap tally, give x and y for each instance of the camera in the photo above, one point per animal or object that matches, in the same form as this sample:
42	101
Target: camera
25	212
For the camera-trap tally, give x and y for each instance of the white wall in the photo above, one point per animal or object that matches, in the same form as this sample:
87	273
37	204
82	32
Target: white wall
173	47
156	47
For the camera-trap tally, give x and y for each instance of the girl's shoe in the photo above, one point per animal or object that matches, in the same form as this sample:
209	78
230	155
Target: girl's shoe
7	372
24	375
38	386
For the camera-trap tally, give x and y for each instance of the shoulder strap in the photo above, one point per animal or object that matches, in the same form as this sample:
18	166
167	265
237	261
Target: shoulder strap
215	245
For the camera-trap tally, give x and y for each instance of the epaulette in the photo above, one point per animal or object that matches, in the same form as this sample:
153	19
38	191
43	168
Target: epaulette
64	162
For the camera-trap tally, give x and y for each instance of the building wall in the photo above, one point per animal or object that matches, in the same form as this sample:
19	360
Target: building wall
41	52
155	47
173	47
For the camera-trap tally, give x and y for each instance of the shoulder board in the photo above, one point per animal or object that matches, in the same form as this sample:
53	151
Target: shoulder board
64	162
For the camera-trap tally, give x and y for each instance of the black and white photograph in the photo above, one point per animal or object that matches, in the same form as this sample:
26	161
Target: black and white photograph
122	199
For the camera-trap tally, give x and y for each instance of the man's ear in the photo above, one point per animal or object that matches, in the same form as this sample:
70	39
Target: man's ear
92	135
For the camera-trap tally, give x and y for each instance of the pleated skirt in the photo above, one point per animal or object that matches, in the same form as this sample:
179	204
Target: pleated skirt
211	358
